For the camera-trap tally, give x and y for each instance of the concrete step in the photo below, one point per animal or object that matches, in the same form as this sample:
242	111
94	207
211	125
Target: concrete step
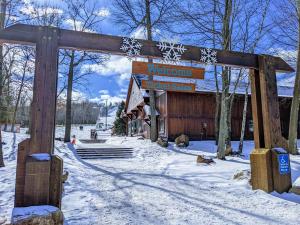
105	153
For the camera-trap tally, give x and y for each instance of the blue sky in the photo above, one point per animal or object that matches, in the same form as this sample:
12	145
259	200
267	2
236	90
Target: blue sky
109	81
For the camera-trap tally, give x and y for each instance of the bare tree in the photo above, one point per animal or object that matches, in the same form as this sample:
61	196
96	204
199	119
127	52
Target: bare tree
2	22
221	24
147	15
286	34
82	16
293	126
241	143
26	69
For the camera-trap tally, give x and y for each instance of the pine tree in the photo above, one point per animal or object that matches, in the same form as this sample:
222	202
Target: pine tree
119	124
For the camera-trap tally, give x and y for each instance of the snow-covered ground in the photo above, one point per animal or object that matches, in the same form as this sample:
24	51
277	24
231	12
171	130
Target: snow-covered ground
157	186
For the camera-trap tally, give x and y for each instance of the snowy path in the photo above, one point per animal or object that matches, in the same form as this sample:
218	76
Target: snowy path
160	186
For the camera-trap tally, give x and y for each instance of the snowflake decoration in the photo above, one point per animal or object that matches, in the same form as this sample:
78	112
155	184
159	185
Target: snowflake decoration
131	47
171	51
208	56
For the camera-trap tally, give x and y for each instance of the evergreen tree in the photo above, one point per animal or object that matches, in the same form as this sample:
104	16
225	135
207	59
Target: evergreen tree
119	123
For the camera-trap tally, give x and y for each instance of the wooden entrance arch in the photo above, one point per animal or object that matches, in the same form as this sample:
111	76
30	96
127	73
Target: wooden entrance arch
38	181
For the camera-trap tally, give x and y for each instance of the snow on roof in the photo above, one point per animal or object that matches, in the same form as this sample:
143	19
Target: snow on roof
208	85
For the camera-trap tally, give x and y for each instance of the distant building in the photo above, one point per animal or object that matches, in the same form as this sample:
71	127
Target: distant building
192	114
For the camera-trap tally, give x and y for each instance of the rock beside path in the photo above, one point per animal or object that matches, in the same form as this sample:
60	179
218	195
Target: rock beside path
36	215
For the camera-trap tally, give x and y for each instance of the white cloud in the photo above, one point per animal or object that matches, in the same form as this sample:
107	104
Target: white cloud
123	79
123	91
141	33
77	25
117	66
104	92
33	11
104	12
77	96
109	98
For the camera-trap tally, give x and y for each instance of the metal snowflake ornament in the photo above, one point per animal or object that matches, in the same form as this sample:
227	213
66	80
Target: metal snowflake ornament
131	47
208	56
171	51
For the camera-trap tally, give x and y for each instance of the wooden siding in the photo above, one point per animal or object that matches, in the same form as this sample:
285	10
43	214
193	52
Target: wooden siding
188	112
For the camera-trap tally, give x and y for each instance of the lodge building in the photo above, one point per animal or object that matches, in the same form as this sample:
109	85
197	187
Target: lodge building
192	114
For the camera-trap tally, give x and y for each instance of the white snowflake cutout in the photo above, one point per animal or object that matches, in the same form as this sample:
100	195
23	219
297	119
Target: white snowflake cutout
131	47
208	56
171	51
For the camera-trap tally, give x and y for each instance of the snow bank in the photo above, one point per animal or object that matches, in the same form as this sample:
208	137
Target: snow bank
158	186
25	212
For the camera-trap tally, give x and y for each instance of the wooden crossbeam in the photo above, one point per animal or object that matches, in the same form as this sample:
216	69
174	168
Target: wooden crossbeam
27	34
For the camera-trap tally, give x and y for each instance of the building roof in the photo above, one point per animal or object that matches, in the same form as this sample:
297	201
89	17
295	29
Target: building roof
208	85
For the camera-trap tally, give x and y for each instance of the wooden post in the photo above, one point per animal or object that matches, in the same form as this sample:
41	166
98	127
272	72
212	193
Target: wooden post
44	92
267	127
56	181
36	189
33	176
257	110
23	149
270	105
260	158
261	170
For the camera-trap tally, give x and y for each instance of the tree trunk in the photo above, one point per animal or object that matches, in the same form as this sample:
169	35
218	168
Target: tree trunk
225	104
217	116
293	126
240	150
223	128
218	96
2	21
228	122
69	99
153	127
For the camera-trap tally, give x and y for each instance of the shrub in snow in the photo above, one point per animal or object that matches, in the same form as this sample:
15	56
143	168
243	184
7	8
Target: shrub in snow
162	143
182	141
202	159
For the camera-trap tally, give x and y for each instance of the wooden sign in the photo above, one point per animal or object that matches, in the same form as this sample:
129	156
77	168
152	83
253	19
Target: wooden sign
168	86
167	70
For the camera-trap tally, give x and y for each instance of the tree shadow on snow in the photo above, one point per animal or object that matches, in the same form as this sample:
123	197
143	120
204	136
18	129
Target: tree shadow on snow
199	200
